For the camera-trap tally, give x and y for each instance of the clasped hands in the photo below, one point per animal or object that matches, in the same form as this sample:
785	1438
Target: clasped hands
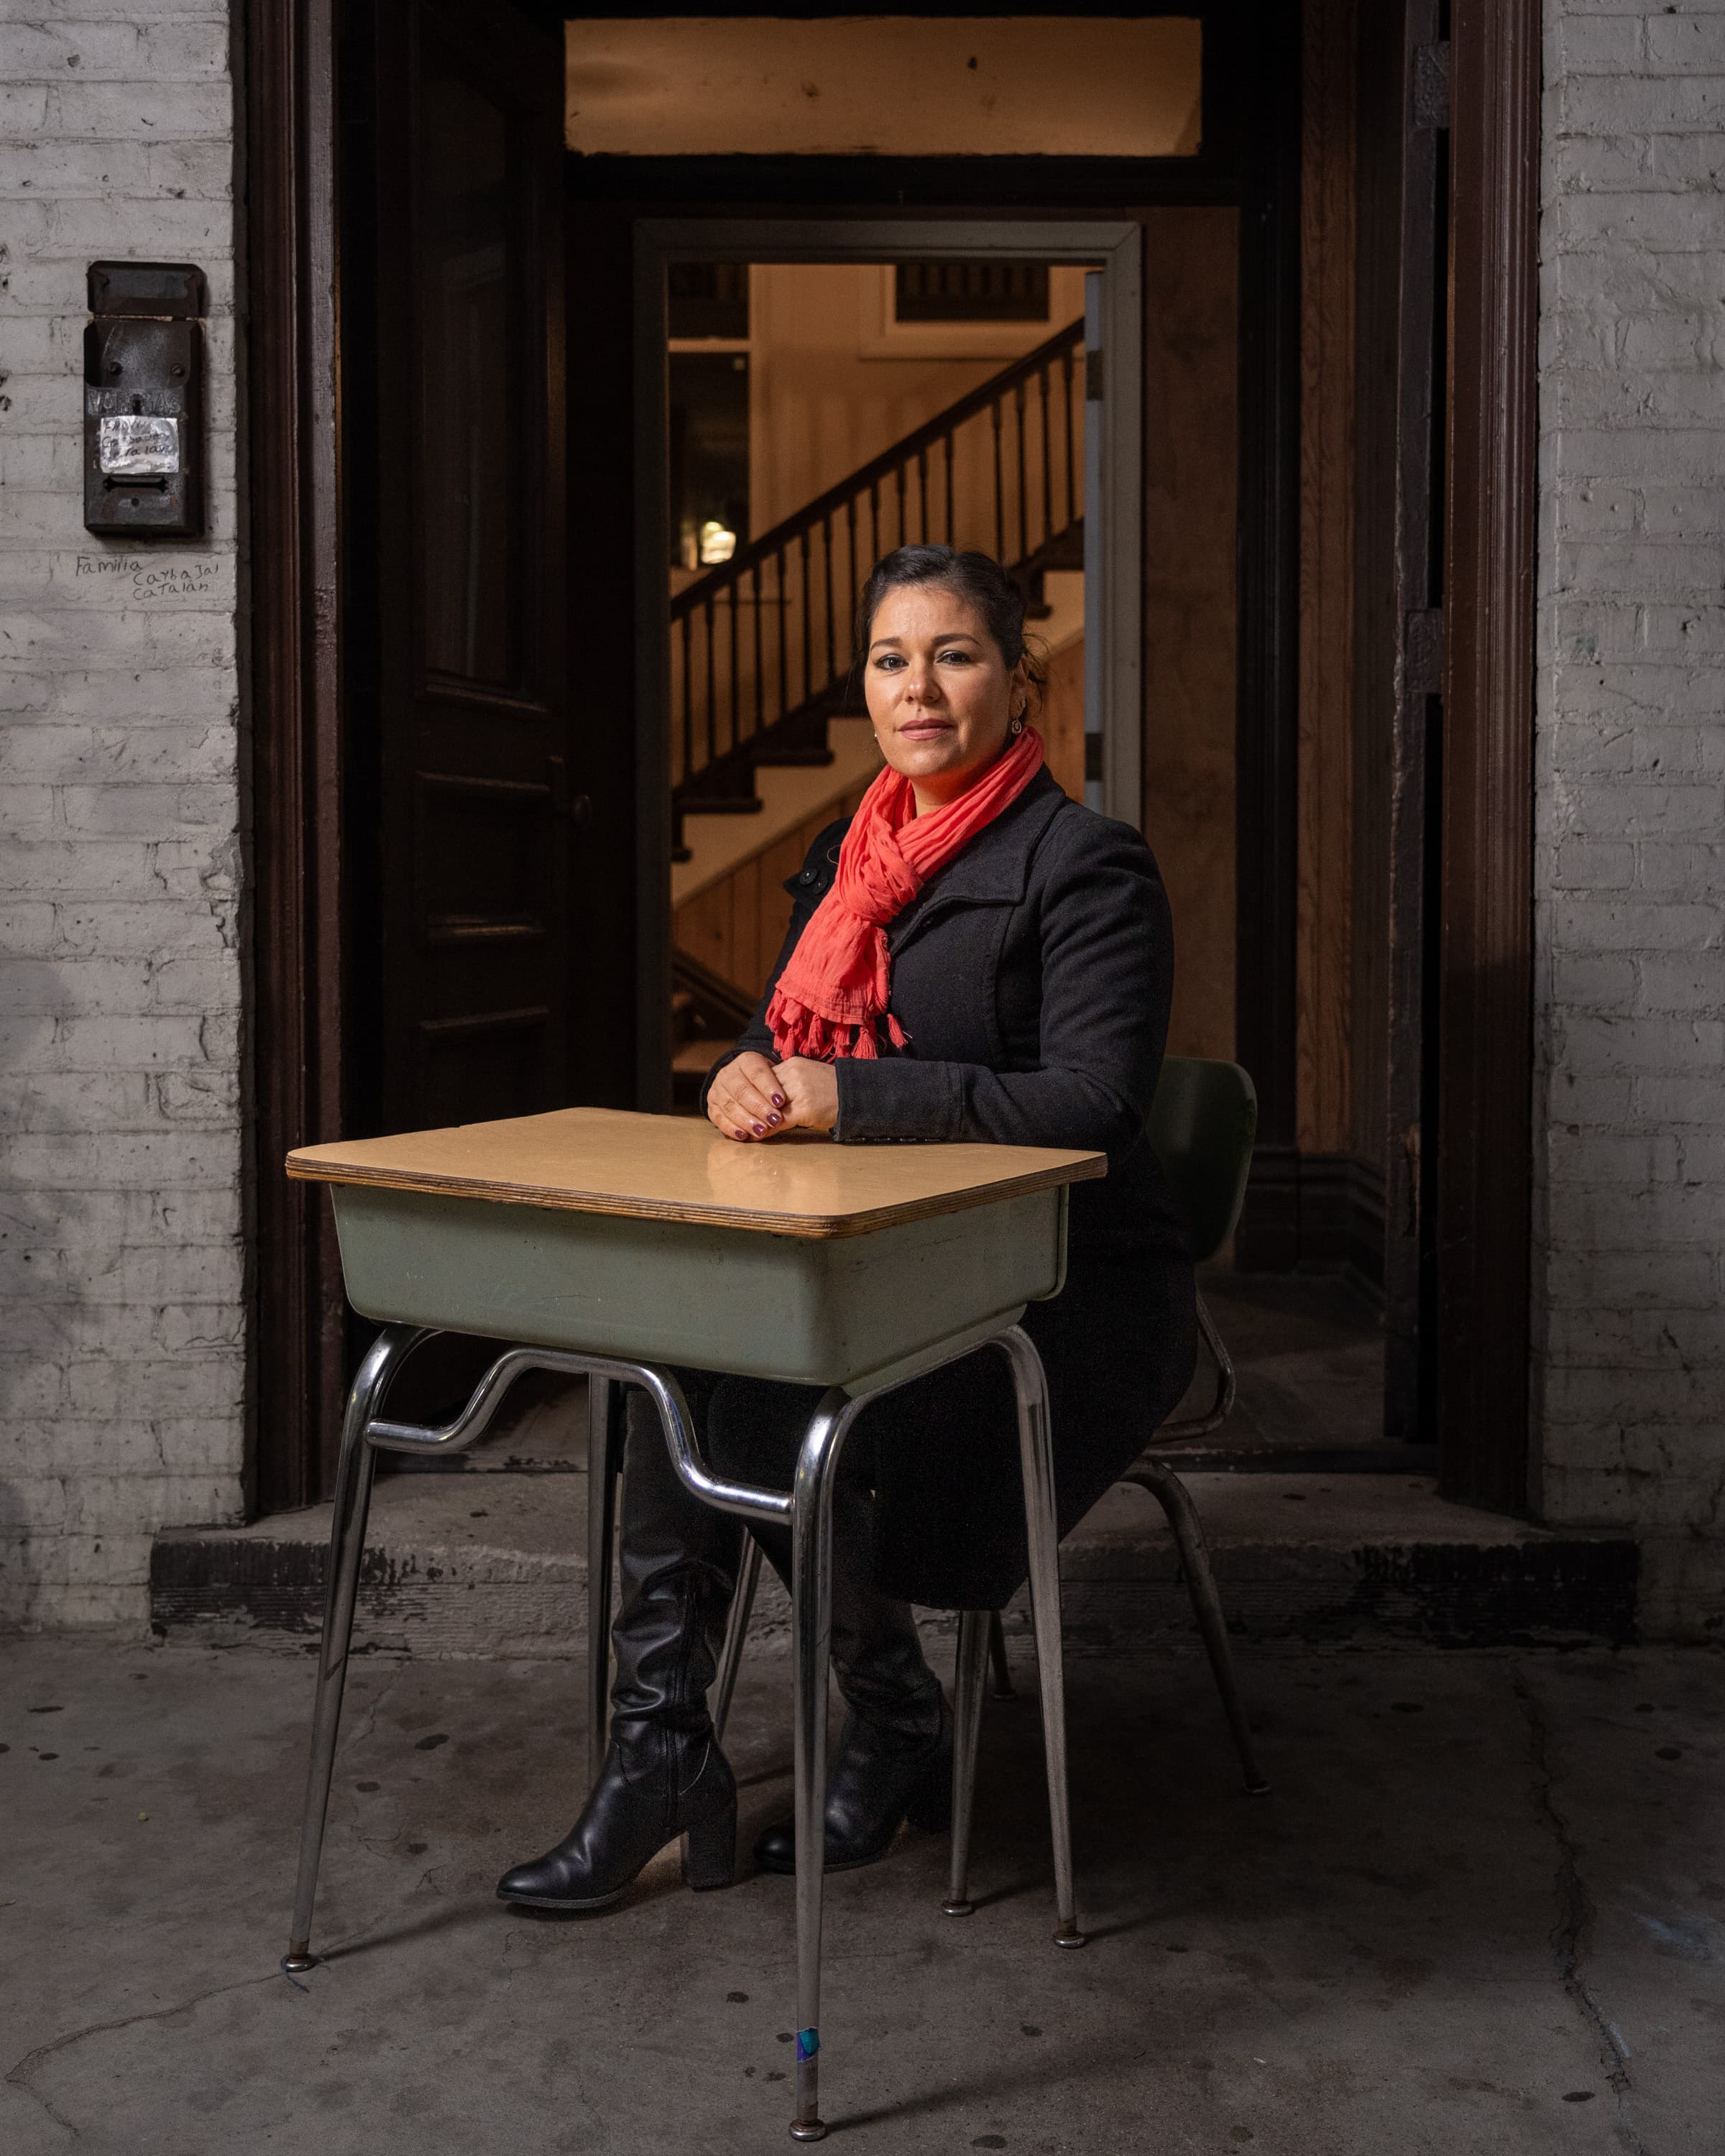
755	1098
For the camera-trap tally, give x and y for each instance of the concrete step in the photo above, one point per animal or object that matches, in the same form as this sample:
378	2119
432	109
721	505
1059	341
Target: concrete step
491	1564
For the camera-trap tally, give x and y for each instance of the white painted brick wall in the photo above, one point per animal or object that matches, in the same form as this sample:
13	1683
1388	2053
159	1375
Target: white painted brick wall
1629	1211
121	1274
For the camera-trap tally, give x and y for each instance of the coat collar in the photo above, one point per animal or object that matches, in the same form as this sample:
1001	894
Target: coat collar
994	869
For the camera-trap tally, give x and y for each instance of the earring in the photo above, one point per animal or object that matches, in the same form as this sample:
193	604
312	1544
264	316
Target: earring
1017	727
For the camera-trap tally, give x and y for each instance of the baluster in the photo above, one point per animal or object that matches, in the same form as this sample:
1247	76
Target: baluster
899	477
1047	457
946	462
922	493
874	520
688	699
1072	480
850	526
782	608
808	625
760	670
712	697
826	560
735	677
1017	400
999	487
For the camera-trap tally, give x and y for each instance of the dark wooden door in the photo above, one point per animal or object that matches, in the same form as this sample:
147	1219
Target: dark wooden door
472	974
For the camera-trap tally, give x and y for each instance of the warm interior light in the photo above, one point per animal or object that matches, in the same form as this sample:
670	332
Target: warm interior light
717	543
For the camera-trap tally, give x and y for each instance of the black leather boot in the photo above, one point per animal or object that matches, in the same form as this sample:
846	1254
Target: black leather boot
664	1773
895	1757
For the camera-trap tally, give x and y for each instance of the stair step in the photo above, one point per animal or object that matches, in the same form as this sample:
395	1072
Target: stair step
719	805
793	758
491	1563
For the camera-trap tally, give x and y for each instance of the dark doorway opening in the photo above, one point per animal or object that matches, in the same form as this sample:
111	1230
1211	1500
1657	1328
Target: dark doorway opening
342	1014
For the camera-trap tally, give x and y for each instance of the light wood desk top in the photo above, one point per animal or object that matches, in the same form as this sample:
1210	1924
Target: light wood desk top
677	1168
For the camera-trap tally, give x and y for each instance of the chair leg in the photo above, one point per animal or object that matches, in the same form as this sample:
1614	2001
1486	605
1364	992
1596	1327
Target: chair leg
1003	1684
743	1604
1227	1390
604	1461
1042	1530
968	1664
1175	1499
347	1542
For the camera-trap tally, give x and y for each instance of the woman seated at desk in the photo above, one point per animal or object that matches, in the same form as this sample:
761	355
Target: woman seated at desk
973	956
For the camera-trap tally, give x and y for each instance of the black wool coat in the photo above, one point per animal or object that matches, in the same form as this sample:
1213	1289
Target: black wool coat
1032	976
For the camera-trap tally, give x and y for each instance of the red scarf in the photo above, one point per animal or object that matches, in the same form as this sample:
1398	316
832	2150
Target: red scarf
833	990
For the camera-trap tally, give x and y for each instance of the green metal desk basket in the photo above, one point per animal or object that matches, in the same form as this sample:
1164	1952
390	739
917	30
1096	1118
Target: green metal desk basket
616	1245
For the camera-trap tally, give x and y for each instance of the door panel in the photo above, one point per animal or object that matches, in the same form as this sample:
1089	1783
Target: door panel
475	978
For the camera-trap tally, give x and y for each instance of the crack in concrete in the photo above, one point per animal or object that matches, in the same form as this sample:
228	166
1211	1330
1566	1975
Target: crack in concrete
1572	1935
368	1722
19	2077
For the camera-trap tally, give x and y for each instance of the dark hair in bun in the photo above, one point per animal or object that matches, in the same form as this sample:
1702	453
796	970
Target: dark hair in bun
977	577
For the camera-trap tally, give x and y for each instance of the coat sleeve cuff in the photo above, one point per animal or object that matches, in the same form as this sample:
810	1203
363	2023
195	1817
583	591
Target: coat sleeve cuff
891	1096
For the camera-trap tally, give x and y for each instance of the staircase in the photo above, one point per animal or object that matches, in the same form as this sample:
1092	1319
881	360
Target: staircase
761	646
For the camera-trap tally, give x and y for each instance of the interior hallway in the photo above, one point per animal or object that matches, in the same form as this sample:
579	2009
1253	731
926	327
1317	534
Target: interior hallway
1481	1911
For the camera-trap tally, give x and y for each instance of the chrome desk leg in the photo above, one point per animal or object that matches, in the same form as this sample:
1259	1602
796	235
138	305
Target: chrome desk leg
1175	1499
1042	1531
812	1626
743	1604
603	1462
973	1634
1002	1687
347	1542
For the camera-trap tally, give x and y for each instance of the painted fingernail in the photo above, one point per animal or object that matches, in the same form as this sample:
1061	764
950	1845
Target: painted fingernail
778	1100
775	1119
760	1130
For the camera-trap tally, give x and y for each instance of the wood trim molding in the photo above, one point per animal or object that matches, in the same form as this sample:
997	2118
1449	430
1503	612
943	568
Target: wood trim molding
1328	180
1266	872
298	1368
1483	1169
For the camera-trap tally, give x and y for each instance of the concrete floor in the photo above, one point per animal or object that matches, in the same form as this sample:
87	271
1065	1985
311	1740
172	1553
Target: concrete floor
1483	1910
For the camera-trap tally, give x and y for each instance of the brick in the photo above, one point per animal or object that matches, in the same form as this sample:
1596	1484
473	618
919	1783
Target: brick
1662	1044
1681	44
1599	45
1595	864
153	111
1693	1338
1586	1156
1685	984
151	1161
86	1100
76	168
1595	105
1606	1102
1630	925
1675	1100
1664	811
146	811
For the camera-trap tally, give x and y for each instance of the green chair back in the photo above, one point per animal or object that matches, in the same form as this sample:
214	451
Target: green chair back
1202	1124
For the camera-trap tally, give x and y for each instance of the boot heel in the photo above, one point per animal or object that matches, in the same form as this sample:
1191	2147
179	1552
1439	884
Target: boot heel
710	1852
929	1811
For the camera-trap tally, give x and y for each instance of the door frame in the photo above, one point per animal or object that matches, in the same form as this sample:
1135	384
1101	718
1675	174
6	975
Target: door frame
1113	247
290	745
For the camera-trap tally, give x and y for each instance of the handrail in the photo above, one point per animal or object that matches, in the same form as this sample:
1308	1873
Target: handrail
890	460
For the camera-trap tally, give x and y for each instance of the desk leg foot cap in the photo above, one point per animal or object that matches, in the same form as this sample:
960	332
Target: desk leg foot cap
808	2129
958	1908
1070	1937
298	1959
